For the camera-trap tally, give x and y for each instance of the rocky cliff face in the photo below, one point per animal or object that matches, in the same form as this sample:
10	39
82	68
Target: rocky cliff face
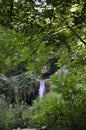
21	88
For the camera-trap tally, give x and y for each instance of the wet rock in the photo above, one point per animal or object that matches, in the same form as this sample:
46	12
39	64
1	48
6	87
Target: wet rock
3	77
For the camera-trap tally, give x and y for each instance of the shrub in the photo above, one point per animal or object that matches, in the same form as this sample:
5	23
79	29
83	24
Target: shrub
13	116
47	111
3	116
7	89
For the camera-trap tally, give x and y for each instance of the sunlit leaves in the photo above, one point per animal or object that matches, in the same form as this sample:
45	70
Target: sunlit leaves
51	32
9	49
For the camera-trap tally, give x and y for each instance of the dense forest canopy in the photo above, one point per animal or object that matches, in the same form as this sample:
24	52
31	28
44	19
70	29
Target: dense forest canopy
35	32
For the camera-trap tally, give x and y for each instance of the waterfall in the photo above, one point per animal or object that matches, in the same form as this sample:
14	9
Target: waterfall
41	88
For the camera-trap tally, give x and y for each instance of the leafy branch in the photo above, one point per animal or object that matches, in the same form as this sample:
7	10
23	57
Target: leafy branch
77	35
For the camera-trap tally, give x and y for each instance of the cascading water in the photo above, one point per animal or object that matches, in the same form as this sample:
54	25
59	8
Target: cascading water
41	88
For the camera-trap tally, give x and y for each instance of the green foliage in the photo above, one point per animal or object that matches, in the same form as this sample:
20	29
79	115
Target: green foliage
3	116
56	31
64	108
25	80
71	86
26	88
6	89
43	33
72	83
13	116
46	111
9	53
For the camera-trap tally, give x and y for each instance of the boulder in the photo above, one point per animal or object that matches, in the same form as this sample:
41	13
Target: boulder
3	77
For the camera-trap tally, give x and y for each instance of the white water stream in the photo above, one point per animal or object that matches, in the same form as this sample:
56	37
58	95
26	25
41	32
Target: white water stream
41	88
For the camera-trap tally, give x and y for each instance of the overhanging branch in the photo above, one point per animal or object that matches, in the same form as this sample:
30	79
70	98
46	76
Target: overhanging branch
77	35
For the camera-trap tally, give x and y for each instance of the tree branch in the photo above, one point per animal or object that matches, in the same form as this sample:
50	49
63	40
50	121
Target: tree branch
73	31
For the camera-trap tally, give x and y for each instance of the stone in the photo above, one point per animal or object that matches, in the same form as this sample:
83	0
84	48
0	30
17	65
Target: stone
25	129
3	77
